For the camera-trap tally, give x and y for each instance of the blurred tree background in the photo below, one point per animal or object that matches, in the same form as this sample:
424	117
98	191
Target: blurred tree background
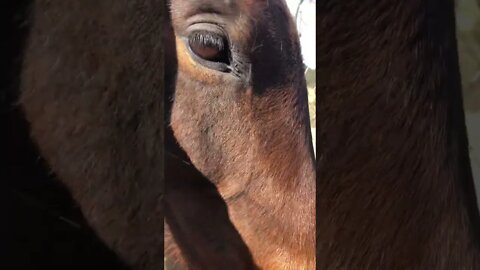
468	38
304	13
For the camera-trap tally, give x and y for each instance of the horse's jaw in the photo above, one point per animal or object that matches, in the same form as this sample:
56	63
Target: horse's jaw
258	152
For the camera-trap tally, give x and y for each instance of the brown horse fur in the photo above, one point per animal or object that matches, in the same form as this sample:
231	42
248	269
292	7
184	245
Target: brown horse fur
247	131
199	224
395	188
92	86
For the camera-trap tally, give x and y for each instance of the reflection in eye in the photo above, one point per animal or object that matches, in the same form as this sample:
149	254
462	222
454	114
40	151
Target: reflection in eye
209	46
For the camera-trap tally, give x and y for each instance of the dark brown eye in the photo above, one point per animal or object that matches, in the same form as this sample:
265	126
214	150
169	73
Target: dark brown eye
209	46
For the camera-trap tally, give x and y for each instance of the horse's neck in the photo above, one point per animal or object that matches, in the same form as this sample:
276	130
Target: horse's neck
198	223
395	189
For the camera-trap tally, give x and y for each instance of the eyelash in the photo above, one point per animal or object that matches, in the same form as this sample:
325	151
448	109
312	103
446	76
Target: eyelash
209	40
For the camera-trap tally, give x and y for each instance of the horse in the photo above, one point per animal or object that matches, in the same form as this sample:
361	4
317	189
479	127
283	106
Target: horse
237	115
88	112
395	187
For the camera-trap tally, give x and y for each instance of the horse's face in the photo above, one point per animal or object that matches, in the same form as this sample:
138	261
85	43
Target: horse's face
240	90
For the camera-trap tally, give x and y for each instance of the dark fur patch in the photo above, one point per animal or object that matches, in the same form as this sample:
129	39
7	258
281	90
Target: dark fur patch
395	186
92	91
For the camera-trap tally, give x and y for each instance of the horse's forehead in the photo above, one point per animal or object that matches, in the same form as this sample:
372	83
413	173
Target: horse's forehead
225	6
222	2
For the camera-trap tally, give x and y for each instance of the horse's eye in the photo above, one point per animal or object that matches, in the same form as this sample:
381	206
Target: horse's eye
209	46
